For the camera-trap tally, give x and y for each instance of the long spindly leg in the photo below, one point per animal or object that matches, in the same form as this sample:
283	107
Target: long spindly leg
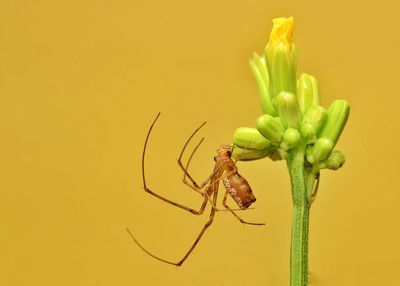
199	236
234	214
184	169
192	184
193	211
146	251
196	186
203	230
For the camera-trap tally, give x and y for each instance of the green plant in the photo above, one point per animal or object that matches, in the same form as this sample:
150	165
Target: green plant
295	128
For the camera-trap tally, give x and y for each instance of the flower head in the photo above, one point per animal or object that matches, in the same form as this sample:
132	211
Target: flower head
281	57
282	31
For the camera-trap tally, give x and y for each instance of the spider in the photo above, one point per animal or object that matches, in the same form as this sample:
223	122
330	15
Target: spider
225	170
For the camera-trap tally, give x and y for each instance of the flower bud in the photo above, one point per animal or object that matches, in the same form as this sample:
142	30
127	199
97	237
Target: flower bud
291	138
250	138
243	154
288	109
281	57
320	151
308	133
338	113
271	128
307	93
281	70
313	121
260	72
334	161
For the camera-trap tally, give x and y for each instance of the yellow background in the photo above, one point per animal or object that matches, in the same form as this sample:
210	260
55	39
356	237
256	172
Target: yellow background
80	83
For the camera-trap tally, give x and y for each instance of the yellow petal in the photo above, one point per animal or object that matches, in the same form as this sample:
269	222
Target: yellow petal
282	30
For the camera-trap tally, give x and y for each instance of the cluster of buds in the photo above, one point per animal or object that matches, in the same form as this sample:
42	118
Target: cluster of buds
292	114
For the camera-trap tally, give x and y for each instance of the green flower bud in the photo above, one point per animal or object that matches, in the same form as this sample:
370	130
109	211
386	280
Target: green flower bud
312	122
338	113
250	138
334	161
307	93
281	57
316	116
288	109
308	133
260	72
271	128
290	139
320	151
243	154
281	70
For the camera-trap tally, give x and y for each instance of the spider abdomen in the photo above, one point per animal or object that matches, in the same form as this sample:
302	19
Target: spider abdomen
240	190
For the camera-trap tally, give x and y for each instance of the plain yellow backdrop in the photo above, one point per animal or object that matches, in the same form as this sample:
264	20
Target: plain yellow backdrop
80	83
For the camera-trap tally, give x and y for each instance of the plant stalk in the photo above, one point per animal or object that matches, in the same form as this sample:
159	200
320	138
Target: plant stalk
300	218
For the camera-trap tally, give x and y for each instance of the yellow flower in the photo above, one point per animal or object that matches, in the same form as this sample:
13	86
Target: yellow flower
282	30
281	57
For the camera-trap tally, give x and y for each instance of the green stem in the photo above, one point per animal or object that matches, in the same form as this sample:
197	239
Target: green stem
299	248
300	219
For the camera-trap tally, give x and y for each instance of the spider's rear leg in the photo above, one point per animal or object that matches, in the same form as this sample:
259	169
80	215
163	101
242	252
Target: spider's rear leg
235	214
